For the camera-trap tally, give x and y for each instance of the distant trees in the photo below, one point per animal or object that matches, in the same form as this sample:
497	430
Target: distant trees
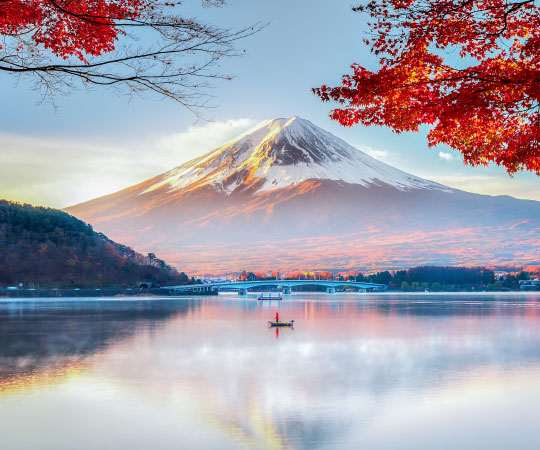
441	278
434	278
247	276
438	278
450	275
415	279
380	277
47	246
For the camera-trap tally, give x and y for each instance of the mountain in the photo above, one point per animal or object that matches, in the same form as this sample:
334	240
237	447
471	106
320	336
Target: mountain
287	194
50	247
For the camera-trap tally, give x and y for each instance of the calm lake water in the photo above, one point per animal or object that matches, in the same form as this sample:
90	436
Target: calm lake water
357	372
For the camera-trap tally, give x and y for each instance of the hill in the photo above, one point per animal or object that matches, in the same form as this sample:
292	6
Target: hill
51	247
288	194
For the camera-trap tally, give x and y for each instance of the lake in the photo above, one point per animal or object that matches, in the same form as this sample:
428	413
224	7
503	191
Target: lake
358	371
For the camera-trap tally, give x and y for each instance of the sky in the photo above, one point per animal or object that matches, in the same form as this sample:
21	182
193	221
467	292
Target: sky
93	143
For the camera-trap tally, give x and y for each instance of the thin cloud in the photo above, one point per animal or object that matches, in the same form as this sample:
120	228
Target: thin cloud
182	147
446	156
492	185
375	153
59	172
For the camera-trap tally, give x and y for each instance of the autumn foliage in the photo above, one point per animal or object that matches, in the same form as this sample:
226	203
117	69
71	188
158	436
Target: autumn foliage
70	27
468	68
132	45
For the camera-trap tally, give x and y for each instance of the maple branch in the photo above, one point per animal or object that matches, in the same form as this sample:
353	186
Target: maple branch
182	54
489	110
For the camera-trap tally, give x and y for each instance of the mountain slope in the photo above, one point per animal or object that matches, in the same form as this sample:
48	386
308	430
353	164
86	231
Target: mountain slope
288	194
47	246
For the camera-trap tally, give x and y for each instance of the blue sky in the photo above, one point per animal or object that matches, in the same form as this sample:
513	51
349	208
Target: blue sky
97	142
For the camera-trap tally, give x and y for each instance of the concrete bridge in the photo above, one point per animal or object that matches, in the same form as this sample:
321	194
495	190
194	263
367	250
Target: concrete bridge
242	287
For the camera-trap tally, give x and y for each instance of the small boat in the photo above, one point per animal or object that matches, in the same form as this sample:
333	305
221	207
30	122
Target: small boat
269	296
281	324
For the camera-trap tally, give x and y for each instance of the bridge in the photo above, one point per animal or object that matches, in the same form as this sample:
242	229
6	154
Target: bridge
285	286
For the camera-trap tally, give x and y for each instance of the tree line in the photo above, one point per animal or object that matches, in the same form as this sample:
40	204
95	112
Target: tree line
445	278
45	246
421	278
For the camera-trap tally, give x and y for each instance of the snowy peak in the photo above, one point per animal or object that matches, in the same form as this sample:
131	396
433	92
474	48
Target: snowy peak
283	152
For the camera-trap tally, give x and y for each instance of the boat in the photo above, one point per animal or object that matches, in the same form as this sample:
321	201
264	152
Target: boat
281	324
269	296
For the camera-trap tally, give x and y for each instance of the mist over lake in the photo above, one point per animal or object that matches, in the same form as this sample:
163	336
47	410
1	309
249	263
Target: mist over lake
389	371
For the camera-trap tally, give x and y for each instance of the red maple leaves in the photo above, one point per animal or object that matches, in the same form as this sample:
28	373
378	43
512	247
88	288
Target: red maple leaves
70	27
468	68
132	46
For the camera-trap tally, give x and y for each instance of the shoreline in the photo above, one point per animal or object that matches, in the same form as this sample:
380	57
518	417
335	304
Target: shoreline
101	292
159	293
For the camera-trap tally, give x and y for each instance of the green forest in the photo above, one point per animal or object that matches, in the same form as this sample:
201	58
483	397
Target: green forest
47	247
438	278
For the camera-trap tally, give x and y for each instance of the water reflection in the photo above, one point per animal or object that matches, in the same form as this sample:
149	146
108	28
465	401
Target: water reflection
41	335
371	372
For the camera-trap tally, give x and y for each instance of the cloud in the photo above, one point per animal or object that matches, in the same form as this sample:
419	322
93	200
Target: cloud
375	153
200	139
519	187
446	156
60	172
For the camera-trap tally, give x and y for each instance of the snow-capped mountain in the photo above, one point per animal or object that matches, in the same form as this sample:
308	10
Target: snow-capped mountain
284	152
287	194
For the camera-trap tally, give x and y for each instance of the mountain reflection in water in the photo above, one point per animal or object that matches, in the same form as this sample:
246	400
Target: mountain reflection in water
357	371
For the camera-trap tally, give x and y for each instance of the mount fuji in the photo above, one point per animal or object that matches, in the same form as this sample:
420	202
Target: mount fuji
287	195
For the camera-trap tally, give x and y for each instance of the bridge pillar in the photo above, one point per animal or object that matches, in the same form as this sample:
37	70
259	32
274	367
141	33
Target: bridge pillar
330	290
242	291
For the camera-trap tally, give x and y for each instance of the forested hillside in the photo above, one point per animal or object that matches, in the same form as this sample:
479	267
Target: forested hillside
51	247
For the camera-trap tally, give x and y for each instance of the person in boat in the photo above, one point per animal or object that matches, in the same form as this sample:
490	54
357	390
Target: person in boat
277	316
